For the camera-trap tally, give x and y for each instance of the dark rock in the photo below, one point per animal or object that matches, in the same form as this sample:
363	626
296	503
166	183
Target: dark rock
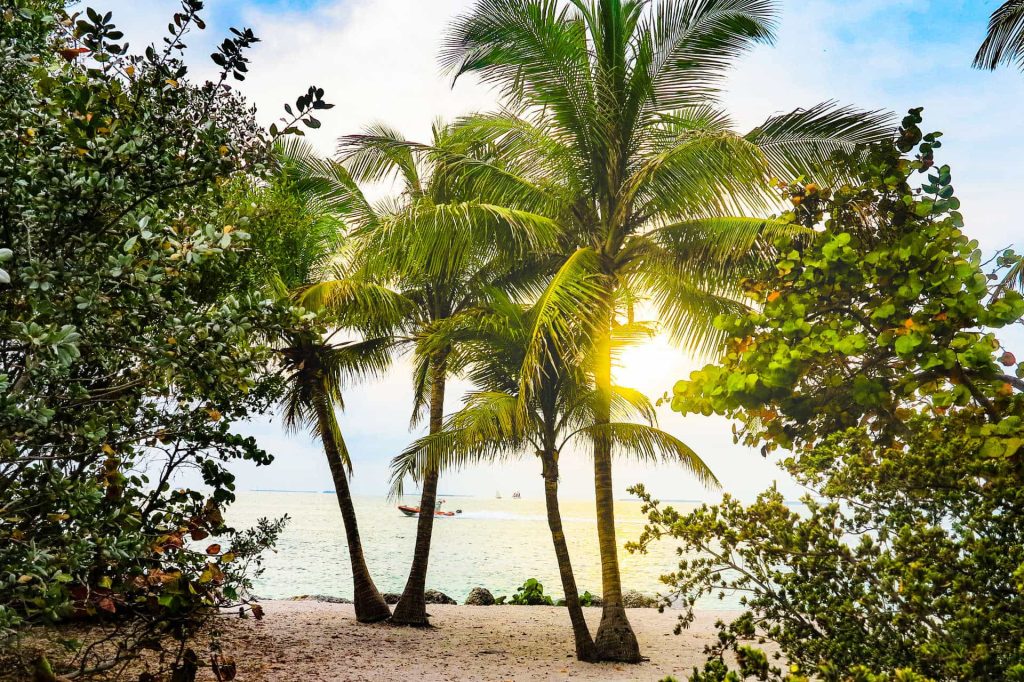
480	596
632	599
436	597
596	601
391	597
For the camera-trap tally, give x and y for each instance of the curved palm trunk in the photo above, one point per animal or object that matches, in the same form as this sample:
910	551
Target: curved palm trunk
369	604
412	607
585	650
615	640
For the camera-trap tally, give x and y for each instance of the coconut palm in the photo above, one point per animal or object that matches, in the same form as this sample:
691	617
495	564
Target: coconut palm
610	105
1004	43
435	249
497	423
315	369
314	366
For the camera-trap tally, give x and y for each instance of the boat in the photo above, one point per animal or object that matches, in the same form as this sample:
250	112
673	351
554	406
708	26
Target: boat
415	511
516	495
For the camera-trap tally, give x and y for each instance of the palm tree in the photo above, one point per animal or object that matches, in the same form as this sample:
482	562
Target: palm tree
497	422
435	249
1004	43
314	366
610	105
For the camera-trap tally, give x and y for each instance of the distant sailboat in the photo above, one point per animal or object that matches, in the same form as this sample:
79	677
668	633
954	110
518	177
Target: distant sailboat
497	495
516	495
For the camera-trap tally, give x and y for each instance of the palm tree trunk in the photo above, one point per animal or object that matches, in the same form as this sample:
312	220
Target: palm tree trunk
584	642
369	604
412	608
615	640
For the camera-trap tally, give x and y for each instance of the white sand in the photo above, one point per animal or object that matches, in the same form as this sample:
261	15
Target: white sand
307	640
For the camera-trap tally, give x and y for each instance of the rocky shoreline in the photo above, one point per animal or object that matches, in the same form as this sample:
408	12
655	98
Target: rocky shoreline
481	596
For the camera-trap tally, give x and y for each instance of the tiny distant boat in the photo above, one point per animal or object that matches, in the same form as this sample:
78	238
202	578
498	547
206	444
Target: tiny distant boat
516	495
497	495
415	511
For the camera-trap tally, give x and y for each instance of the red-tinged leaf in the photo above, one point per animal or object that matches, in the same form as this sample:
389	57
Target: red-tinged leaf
213	549
107	604
1008	359
199	534
72	53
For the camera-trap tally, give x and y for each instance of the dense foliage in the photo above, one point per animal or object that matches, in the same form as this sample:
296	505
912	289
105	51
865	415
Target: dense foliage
123	361
872	357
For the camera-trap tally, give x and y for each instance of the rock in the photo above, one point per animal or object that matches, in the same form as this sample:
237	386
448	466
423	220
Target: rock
632	599
480	596
322	597
596	601
391	597
436	597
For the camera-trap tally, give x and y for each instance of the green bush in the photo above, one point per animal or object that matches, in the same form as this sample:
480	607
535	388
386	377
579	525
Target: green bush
872	357
123	361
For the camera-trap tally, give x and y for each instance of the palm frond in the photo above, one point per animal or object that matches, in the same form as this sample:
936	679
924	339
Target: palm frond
630	404
487	429
354	302
691	46
648	444
804	141
380	153
533	50
723	248
1004	43
443	240
568	308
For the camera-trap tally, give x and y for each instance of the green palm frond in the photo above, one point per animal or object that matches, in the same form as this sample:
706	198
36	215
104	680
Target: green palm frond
379	154
488	428
687	305
724	248
701	174
1013	279
569	306
1004	43
353	302
686	48
532	49
648	444
803	142
632	405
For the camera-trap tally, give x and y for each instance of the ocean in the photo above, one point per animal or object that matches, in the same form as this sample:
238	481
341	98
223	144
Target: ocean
493	543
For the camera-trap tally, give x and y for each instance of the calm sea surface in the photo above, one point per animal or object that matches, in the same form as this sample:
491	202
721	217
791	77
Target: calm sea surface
494	543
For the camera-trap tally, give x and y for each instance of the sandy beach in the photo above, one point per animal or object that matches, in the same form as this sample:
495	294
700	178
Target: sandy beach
307	640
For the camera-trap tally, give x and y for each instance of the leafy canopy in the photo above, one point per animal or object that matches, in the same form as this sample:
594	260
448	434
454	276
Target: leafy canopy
871	357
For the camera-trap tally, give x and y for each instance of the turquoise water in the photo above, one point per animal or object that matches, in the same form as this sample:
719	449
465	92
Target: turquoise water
494	543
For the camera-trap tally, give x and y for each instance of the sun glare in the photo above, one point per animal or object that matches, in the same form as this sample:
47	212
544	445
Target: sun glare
652	367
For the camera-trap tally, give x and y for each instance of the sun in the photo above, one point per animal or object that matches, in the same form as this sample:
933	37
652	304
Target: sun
652	367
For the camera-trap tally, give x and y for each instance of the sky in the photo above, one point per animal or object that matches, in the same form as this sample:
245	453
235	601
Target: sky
377	62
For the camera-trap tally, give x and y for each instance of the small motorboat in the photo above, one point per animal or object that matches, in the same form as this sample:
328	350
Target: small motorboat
415	511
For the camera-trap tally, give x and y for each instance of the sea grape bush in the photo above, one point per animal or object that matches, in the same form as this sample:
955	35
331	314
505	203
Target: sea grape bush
531	593
122	362
872	356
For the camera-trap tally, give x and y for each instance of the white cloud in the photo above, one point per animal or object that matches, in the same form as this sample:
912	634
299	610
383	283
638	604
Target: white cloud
376	59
